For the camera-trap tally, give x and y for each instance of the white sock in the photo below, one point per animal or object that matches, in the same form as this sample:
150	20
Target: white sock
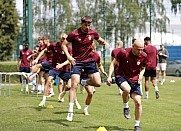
137	123
156	88
126	105
39	87
51	90
86	107
71	105
120	91
93	88
163	80
44	98
42	87
146	93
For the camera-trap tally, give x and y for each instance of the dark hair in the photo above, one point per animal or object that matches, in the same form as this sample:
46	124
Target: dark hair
26	43
133	40
147	39
86	19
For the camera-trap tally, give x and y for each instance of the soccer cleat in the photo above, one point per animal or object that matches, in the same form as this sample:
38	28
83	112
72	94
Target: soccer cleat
51	94
42	104
70	117
60	97
126	113
86	113
157	94
146	97
83	82
137	128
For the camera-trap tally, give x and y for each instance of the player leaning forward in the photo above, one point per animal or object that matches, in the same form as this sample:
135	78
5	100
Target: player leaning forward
82	39
132	62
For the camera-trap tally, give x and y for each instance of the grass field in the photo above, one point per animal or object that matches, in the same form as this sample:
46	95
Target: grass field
20	112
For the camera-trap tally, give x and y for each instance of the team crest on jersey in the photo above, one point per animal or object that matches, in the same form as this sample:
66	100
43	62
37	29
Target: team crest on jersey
89	37
138	62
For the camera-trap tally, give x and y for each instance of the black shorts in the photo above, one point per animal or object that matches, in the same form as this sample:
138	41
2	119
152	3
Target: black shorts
150	73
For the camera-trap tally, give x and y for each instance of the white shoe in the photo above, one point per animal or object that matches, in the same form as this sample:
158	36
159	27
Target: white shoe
70	117
60	97
78	105
42	104
146	97
61	100
86	113
51	94
39	92
161	83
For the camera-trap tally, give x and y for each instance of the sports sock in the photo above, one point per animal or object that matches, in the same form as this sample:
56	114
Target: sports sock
51	90
71	105
137	123
126	105
44	98
86	107
146	93
156	88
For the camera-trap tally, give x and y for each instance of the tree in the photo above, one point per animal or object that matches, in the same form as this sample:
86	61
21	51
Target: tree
176	4
8	28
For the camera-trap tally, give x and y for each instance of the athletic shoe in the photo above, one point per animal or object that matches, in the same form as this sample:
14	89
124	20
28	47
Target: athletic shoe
157	94
126	113
51	94
137	128
39	92
83	82
60	96
86	113
146	97
42	104
70	117
61	100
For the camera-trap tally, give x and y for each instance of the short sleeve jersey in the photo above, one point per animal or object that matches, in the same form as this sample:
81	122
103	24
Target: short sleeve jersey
152	53
49	56
42	47
129	64
23	57
82	44
59	56
114	54
161	58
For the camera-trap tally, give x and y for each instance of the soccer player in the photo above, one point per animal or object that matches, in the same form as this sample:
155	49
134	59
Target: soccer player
23	62
132	62
60	65
90	89
162	63
81	39
151	64
113	55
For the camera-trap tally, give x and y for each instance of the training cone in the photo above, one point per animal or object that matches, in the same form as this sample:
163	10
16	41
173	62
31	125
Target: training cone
101	129
50	107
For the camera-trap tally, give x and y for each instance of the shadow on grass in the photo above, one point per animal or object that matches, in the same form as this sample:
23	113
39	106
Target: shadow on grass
62	122
109	128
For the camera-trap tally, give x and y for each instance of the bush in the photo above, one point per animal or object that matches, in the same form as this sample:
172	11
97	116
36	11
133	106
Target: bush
9	67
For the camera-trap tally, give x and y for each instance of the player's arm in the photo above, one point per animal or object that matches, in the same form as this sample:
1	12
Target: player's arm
111	69
60	65
103	42
142	71
65	50
101	68
41	54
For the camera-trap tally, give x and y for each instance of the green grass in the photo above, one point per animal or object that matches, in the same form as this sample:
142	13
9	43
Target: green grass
20	112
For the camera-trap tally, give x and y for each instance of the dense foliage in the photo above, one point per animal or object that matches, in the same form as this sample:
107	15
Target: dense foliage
8	28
